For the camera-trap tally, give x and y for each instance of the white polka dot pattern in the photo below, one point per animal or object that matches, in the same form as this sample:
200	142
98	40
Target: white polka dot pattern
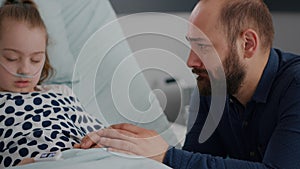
48	120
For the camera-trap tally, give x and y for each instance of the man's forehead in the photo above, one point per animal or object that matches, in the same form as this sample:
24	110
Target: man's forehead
204	17
209	6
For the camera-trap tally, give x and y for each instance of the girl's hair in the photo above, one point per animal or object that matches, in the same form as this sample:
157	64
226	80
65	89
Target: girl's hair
26	11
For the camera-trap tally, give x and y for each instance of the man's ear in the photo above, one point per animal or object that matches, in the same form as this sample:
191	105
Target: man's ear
250	42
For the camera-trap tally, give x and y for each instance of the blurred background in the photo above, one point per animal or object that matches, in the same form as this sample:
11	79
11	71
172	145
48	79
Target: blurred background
174	93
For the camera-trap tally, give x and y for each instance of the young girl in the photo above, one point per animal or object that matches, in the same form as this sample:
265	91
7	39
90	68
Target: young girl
33	118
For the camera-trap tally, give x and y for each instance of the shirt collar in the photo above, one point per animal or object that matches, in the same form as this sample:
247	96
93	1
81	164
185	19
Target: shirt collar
265	83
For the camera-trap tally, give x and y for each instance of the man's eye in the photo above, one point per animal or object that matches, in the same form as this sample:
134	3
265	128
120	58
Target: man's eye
202	46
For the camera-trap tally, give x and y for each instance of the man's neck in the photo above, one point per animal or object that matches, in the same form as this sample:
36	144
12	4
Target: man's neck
246	91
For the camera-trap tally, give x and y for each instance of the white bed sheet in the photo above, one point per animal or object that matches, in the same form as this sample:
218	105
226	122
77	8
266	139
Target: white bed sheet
95	159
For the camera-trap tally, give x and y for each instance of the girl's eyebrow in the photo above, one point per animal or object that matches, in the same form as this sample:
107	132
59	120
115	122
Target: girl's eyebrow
39	52
19	52
11	50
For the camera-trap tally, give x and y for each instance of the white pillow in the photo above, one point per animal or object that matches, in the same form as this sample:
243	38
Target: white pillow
59	52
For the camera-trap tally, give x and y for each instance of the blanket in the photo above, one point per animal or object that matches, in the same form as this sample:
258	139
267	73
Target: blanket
96	158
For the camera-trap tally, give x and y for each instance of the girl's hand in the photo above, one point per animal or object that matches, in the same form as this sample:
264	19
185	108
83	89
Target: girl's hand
26	161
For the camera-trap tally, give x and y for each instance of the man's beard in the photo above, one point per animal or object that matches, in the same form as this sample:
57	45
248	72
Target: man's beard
234	71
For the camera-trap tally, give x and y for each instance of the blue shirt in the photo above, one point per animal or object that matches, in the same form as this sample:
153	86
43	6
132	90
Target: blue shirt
263	134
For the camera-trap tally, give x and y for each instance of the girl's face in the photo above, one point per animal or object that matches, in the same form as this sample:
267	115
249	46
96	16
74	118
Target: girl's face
23	52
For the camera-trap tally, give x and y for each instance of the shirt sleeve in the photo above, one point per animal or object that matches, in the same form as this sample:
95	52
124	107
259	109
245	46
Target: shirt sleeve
81	118
283	150
181	159
85	121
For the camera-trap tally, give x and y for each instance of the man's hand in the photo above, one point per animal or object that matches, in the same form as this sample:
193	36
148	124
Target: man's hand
129	139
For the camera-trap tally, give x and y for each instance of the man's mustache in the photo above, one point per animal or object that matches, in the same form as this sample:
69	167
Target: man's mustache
199	71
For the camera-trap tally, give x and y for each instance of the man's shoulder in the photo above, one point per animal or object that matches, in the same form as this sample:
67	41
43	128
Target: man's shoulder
287	59
289	65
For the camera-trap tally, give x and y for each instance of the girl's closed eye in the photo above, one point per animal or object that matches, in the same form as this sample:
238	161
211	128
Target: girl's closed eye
38	59
10	58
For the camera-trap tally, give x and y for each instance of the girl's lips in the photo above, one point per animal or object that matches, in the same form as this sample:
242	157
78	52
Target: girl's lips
22	83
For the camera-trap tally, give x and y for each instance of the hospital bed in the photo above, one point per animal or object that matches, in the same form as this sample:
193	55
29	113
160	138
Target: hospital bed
86	48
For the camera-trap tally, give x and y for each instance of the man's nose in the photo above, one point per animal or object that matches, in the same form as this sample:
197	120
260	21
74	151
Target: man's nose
194	60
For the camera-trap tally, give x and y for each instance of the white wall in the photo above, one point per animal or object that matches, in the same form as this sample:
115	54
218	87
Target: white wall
287	31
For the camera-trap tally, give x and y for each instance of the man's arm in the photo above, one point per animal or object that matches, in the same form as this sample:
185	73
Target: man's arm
283	150
181	159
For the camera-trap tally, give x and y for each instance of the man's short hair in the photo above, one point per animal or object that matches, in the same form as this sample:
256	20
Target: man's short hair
238	15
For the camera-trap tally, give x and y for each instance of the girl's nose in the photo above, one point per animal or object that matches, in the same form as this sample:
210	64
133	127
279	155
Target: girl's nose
24	68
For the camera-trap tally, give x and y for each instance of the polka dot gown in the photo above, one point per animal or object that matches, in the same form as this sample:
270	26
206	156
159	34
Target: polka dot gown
51	119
